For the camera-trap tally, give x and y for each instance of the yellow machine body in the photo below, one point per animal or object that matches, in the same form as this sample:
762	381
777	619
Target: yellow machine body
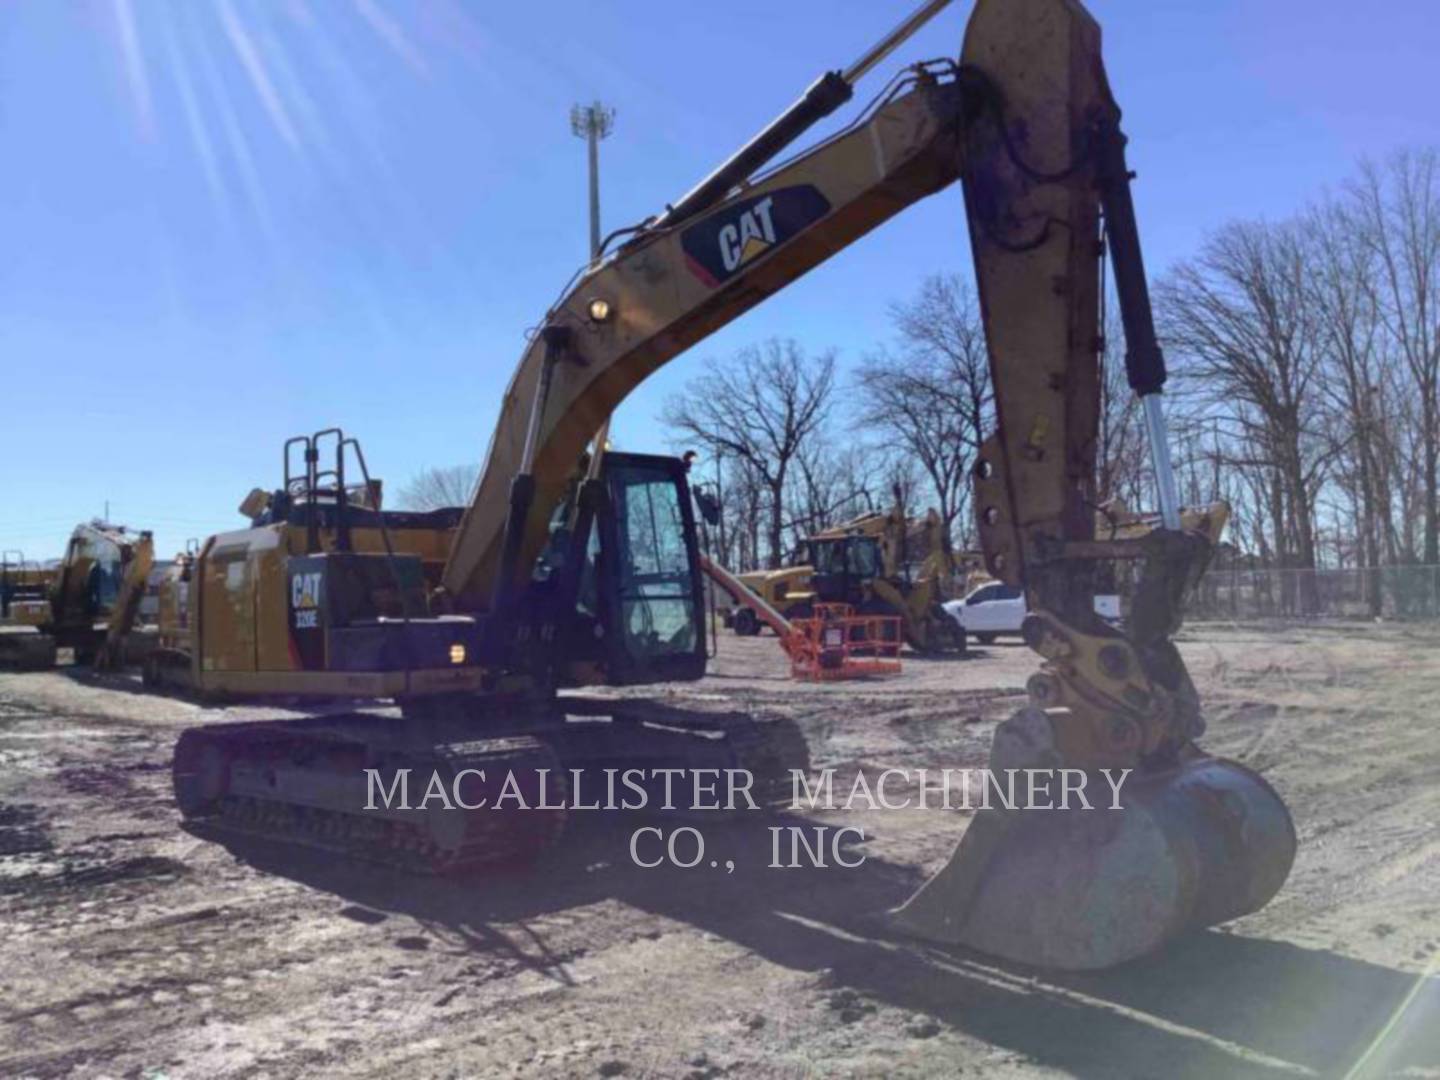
228	614
74	605
788	590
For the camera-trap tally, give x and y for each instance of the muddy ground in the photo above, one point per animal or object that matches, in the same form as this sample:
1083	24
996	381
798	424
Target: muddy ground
129	947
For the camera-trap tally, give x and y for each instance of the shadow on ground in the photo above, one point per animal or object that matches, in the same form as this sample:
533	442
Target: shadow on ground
1214	1004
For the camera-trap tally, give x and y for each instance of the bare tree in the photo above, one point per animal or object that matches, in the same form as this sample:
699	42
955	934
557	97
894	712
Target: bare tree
759	410
933	398
1400	208
1238	317
1346	308
835	483
902	486
1400	446
943	323
435	488
742	509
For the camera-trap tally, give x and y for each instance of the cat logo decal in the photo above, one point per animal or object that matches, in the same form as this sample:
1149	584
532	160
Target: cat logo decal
730	239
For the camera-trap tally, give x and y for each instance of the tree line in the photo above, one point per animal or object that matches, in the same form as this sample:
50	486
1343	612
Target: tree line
1308	356
788	458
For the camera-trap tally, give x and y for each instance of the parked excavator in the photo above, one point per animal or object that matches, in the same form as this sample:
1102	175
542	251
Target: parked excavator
25	609
569	569
87	604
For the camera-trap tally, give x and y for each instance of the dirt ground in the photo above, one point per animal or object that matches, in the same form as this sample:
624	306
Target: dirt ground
129	947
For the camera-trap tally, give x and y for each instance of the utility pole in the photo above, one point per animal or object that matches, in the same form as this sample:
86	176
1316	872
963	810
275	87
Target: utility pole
592	123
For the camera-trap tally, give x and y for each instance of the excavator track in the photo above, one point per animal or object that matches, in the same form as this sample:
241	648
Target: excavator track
22	649
304	782
599	734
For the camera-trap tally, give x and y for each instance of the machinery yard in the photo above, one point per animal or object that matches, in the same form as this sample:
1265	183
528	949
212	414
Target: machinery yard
691	724
134	948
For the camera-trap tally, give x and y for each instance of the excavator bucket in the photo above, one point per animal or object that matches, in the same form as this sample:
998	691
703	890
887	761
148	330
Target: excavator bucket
1076	889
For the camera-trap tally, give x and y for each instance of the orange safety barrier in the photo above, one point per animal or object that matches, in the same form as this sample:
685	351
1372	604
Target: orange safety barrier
835	643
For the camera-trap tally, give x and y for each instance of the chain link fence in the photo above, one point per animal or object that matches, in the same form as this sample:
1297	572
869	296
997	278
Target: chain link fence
1350	593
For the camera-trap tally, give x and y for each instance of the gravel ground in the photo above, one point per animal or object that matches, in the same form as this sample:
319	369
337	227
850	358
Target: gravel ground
133	948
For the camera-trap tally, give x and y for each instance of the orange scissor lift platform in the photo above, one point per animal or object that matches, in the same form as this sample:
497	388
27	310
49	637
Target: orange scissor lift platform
833	643
836	643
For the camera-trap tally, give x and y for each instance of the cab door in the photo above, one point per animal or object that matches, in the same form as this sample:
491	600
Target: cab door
650	566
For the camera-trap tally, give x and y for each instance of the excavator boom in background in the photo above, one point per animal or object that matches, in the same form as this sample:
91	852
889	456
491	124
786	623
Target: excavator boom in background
568	570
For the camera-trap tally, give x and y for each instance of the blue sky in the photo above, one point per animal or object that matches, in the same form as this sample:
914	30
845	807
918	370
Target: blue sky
224	222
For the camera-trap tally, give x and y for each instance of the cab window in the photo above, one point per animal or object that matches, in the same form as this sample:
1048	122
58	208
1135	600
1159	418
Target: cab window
656	593
864	558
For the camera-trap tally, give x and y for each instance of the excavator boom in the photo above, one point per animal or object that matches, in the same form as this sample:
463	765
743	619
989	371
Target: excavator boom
1028	123
673	285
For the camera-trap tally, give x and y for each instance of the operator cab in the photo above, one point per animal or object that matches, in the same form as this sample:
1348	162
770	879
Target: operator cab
844	565
631	612
89	577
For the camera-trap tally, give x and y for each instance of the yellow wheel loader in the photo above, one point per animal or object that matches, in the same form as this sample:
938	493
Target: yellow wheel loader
567	571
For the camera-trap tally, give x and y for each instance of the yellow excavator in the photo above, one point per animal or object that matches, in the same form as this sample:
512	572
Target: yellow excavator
25	611
88	604
568	569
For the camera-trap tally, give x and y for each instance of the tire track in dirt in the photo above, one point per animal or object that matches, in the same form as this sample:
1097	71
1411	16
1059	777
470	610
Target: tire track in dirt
246	960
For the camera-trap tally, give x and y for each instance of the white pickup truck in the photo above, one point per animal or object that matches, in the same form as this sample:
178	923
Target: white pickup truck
995	609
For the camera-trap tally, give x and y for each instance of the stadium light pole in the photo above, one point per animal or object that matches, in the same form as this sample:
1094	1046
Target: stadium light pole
592	123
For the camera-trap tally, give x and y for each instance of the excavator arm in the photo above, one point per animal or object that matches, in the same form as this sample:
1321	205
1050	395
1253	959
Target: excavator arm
1046	164
1196	839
